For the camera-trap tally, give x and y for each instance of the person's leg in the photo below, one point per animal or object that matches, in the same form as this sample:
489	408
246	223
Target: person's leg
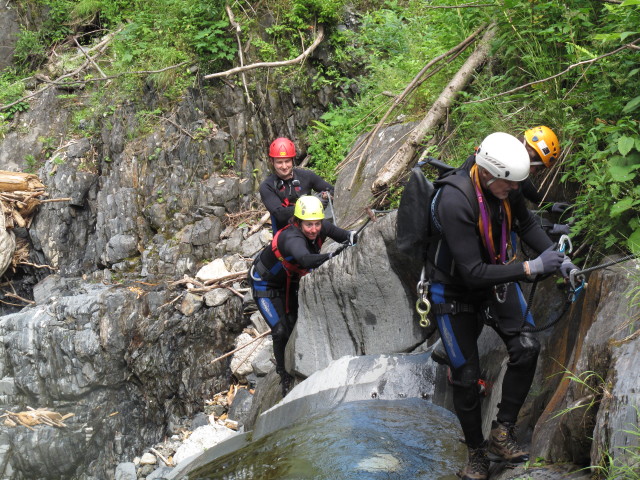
459	333
523	350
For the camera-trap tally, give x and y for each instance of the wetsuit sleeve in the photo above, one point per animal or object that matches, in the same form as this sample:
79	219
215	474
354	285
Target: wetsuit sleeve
530	228
273	203
459	230
530	191
295	245
333	232
315	182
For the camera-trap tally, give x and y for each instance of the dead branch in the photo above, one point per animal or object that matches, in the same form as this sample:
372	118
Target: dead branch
241	347
298	59
91	60
401	160
409	89
237	28
631	45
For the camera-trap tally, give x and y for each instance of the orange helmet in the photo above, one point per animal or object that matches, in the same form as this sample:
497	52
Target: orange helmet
282	148
545	143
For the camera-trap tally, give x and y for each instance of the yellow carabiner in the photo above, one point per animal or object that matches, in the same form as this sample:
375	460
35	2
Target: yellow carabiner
423	307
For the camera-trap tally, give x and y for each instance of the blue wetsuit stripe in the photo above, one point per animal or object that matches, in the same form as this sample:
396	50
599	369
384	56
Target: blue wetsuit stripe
446	330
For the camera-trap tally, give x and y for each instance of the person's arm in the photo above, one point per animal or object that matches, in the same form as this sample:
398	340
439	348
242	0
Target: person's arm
530	229
316	182
272	201
334	232
459	230
295	245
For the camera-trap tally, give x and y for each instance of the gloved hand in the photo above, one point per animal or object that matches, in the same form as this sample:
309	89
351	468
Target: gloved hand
353	237
548	262
560	229
566	267
559	207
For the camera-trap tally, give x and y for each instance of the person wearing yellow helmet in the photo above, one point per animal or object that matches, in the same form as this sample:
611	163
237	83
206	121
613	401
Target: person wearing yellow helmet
280	190
277	269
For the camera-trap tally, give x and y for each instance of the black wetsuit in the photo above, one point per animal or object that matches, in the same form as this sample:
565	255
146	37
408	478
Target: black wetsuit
279	196
464	276
268	279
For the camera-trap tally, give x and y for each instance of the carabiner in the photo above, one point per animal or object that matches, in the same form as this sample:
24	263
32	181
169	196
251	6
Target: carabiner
423	307
563	242
574	290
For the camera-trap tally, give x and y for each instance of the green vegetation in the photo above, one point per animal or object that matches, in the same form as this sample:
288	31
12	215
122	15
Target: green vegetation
593	104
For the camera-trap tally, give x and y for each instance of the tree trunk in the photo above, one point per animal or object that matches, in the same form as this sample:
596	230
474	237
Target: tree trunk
19	182
401	161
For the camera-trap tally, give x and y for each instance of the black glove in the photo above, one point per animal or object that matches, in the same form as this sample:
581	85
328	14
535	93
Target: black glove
560	229
559	207
566	267
353	237
548	262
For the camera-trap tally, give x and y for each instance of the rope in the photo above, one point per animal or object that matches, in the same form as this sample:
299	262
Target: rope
605	265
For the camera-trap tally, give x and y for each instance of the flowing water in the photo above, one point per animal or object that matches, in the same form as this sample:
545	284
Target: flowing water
366	440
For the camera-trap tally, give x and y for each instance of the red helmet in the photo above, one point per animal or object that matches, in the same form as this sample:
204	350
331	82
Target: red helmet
282	148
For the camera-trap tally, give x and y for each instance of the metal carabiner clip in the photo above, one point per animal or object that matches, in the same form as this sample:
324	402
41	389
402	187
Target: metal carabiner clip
574	277
423	307
563	242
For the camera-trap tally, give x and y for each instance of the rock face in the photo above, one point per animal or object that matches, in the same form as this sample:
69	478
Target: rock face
355	304
9	29
123	360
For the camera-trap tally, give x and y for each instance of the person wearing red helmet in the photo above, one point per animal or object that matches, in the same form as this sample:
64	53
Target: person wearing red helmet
280	190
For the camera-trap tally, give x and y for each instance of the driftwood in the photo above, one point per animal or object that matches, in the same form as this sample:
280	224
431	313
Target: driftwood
33	417
402	160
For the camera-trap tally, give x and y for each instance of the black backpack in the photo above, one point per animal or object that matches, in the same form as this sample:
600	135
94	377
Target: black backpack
414	231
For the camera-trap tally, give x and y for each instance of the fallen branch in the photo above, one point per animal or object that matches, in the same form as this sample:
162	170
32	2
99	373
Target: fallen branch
631	45
401	160
410	88
238	30
282	63
241	347
161	457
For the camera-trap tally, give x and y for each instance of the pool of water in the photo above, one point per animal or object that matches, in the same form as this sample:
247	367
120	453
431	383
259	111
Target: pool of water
366	440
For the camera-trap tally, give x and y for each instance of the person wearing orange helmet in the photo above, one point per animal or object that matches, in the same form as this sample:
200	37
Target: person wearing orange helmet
543	148
280	190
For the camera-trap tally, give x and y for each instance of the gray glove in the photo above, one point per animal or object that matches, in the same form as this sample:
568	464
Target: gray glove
548	262
353	237
559	207
560	229
566	267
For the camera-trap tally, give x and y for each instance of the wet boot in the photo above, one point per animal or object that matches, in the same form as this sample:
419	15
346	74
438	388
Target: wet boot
478	466
286	382
439	354
503	446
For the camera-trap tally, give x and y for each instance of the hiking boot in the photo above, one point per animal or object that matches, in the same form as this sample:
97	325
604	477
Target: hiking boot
286	382
478	466
503	446
439	354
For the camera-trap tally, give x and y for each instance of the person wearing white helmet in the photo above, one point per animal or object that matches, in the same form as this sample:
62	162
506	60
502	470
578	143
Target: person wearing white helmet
473	272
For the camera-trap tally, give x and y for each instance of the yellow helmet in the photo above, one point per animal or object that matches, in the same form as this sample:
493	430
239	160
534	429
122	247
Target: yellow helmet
545	143
308	207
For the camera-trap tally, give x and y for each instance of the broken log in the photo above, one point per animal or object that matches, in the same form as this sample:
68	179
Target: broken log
401	161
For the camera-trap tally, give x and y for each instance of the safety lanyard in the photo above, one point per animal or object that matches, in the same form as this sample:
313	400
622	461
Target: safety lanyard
485	225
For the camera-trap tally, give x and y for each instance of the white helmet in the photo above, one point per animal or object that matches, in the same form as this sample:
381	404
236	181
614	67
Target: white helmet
504	156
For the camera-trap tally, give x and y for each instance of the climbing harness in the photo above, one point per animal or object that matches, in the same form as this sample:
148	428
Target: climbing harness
294	272
423	306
